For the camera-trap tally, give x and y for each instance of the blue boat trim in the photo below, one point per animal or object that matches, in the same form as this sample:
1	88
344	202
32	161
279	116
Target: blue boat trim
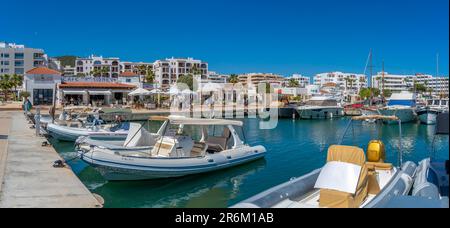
165	168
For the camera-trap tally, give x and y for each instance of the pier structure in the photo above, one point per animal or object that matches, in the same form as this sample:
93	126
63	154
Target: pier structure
27	176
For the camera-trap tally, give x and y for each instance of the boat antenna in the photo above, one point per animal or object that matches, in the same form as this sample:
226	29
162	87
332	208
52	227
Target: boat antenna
400	149
382	81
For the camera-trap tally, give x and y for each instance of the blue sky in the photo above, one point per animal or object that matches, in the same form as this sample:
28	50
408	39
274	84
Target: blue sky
284	36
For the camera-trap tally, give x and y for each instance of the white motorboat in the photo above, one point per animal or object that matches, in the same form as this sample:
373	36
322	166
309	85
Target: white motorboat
348	180
401	105
211	145
104	132
320	107
427	114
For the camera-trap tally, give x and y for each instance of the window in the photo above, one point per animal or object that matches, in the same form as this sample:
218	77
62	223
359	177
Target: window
128	80
6	55
18	63
19	71
18	55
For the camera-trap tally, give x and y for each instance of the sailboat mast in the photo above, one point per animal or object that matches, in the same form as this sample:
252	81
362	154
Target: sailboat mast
371	68
382	80
437	65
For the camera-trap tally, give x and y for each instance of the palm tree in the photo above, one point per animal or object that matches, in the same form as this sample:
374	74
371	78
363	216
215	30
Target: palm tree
96	72
196	71
149	76
293	83
233	79
104	71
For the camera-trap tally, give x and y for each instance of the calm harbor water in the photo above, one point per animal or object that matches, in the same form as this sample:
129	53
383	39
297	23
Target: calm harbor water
294	149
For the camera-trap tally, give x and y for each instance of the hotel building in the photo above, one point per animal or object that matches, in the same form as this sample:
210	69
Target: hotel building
214	77
253	79
168	71
87	66
345	81
398	83
18	59
303	81
138	68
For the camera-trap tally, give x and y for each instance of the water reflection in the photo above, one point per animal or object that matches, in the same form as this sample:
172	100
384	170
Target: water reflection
218	187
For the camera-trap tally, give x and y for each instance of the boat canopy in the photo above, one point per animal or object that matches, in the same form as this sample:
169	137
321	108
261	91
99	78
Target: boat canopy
411	103
197	121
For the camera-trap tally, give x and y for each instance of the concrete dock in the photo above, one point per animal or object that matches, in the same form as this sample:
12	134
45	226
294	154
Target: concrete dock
28	179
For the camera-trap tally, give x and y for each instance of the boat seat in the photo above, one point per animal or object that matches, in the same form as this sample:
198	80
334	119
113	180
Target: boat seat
373	166
162	149
219	143
199	149
336	199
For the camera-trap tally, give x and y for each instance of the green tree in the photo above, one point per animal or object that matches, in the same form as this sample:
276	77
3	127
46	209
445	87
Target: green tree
96	72
188	80
6	85
24	94
387	93
234	79
149	76
196	71
419	88
16	80
367	93
104	71
293	83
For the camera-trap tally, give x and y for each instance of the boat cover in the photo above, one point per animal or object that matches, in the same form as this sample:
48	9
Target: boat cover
339	176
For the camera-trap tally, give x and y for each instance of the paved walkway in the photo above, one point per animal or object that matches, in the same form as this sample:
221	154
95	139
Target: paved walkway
29	179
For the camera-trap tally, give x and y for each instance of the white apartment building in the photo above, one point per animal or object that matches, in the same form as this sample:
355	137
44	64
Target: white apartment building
393	82
18	59
398	83
303	81
135	67
346	81
214	77
253	79
87	66
168	71
438	85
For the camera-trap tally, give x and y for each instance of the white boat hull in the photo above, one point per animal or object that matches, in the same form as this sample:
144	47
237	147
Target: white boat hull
406	115
71	134
428	118
125	168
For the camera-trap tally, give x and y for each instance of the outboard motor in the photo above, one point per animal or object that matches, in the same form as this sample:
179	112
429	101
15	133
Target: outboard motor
376	151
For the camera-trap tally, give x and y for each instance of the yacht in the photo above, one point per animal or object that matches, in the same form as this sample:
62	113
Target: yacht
183	146
427	114
401	105
321	107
